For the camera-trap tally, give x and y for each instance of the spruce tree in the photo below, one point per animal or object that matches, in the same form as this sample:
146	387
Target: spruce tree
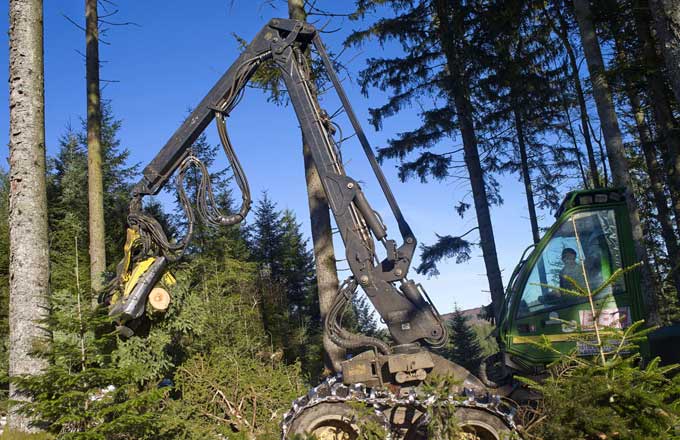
524	91
463	347
68	211
440	62
67	196
613	139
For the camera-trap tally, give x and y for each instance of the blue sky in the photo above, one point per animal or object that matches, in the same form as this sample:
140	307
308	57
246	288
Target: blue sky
168	62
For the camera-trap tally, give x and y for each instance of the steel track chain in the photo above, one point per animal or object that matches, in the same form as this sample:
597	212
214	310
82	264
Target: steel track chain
332	390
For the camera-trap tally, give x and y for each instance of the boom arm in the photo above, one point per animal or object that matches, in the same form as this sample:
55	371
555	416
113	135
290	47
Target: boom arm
402	304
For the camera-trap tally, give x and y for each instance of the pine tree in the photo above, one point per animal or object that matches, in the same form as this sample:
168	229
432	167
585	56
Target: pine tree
463	347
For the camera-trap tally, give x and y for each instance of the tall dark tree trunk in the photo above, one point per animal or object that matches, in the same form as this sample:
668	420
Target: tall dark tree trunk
666	15
29	249
666	124
451	33
647	143
563	32
95	186
654	170
526	175
322	234
618	162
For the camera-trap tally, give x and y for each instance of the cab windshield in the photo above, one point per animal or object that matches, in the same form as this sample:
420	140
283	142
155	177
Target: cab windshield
583	252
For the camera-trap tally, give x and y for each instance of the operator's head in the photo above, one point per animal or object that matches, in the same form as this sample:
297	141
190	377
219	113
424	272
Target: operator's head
568	255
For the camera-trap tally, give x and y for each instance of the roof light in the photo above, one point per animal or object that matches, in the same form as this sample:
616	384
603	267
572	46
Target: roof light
585	200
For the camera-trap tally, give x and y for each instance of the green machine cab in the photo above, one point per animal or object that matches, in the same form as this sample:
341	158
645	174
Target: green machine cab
592	234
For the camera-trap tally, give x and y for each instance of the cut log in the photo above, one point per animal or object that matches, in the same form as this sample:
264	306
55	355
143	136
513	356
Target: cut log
159	299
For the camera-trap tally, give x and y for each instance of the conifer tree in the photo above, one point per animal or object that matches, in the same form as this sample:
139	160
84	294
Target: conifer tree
289	304
319	212
564	27
524	90
667	22
67	196
463	347
613	140
28	229
97	236
441	63
4	276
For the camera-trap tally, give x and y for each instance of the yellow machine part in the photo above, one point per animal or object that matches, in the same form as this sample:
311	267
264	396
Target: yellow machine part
130	276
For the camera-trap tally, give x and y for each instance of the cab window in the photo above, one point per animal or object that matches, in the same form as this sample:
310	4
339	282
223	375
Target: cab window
585	249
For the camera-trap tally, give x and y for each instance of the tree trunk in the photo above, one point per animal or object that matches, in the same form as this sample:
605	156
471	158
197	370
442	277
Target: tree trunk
666	124
618	163
666	15
95	186
449	34
654	169
526	176
663	214
322	234
29	251
563	34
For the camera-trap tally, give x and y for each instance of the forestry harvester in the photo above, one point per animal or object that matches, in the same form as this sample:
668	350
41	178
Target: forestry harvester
386	379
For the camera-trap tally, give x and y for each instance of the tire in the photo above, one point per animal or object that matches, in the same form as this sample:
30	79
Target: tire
482	425
475	424
328	421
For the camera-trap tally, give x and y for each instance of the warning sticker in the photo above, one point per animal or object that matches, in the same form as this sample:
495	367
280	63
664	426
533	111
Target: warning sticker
612	318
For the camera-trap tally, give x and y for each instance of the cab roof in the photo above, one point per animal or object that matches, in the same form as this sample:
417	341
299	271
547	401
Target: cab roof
596	196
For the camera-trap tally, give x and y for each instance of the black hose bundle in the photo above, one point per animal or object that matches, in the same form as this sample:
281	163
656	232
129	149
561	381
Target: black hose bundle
341	336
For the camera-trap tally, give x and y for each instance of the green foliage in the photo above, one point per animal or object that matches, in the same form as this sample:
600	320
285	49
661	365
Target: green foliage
443	422
483	330
228	378
83	393
612	395
232	393
621	399
288	298
14	435
67	198
463	347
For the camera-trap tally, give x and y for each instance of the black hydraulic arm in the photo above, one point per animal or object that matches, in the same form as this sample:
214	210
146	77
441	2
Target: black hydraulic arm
403	305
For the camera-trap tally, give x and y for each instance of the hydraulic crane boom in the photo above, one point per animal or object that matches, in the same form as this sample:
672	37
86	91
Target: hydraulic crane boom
407	313
404	307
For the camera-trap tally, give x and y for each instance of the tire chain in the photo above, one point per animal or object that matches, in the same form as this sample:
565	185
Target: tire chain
333	390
